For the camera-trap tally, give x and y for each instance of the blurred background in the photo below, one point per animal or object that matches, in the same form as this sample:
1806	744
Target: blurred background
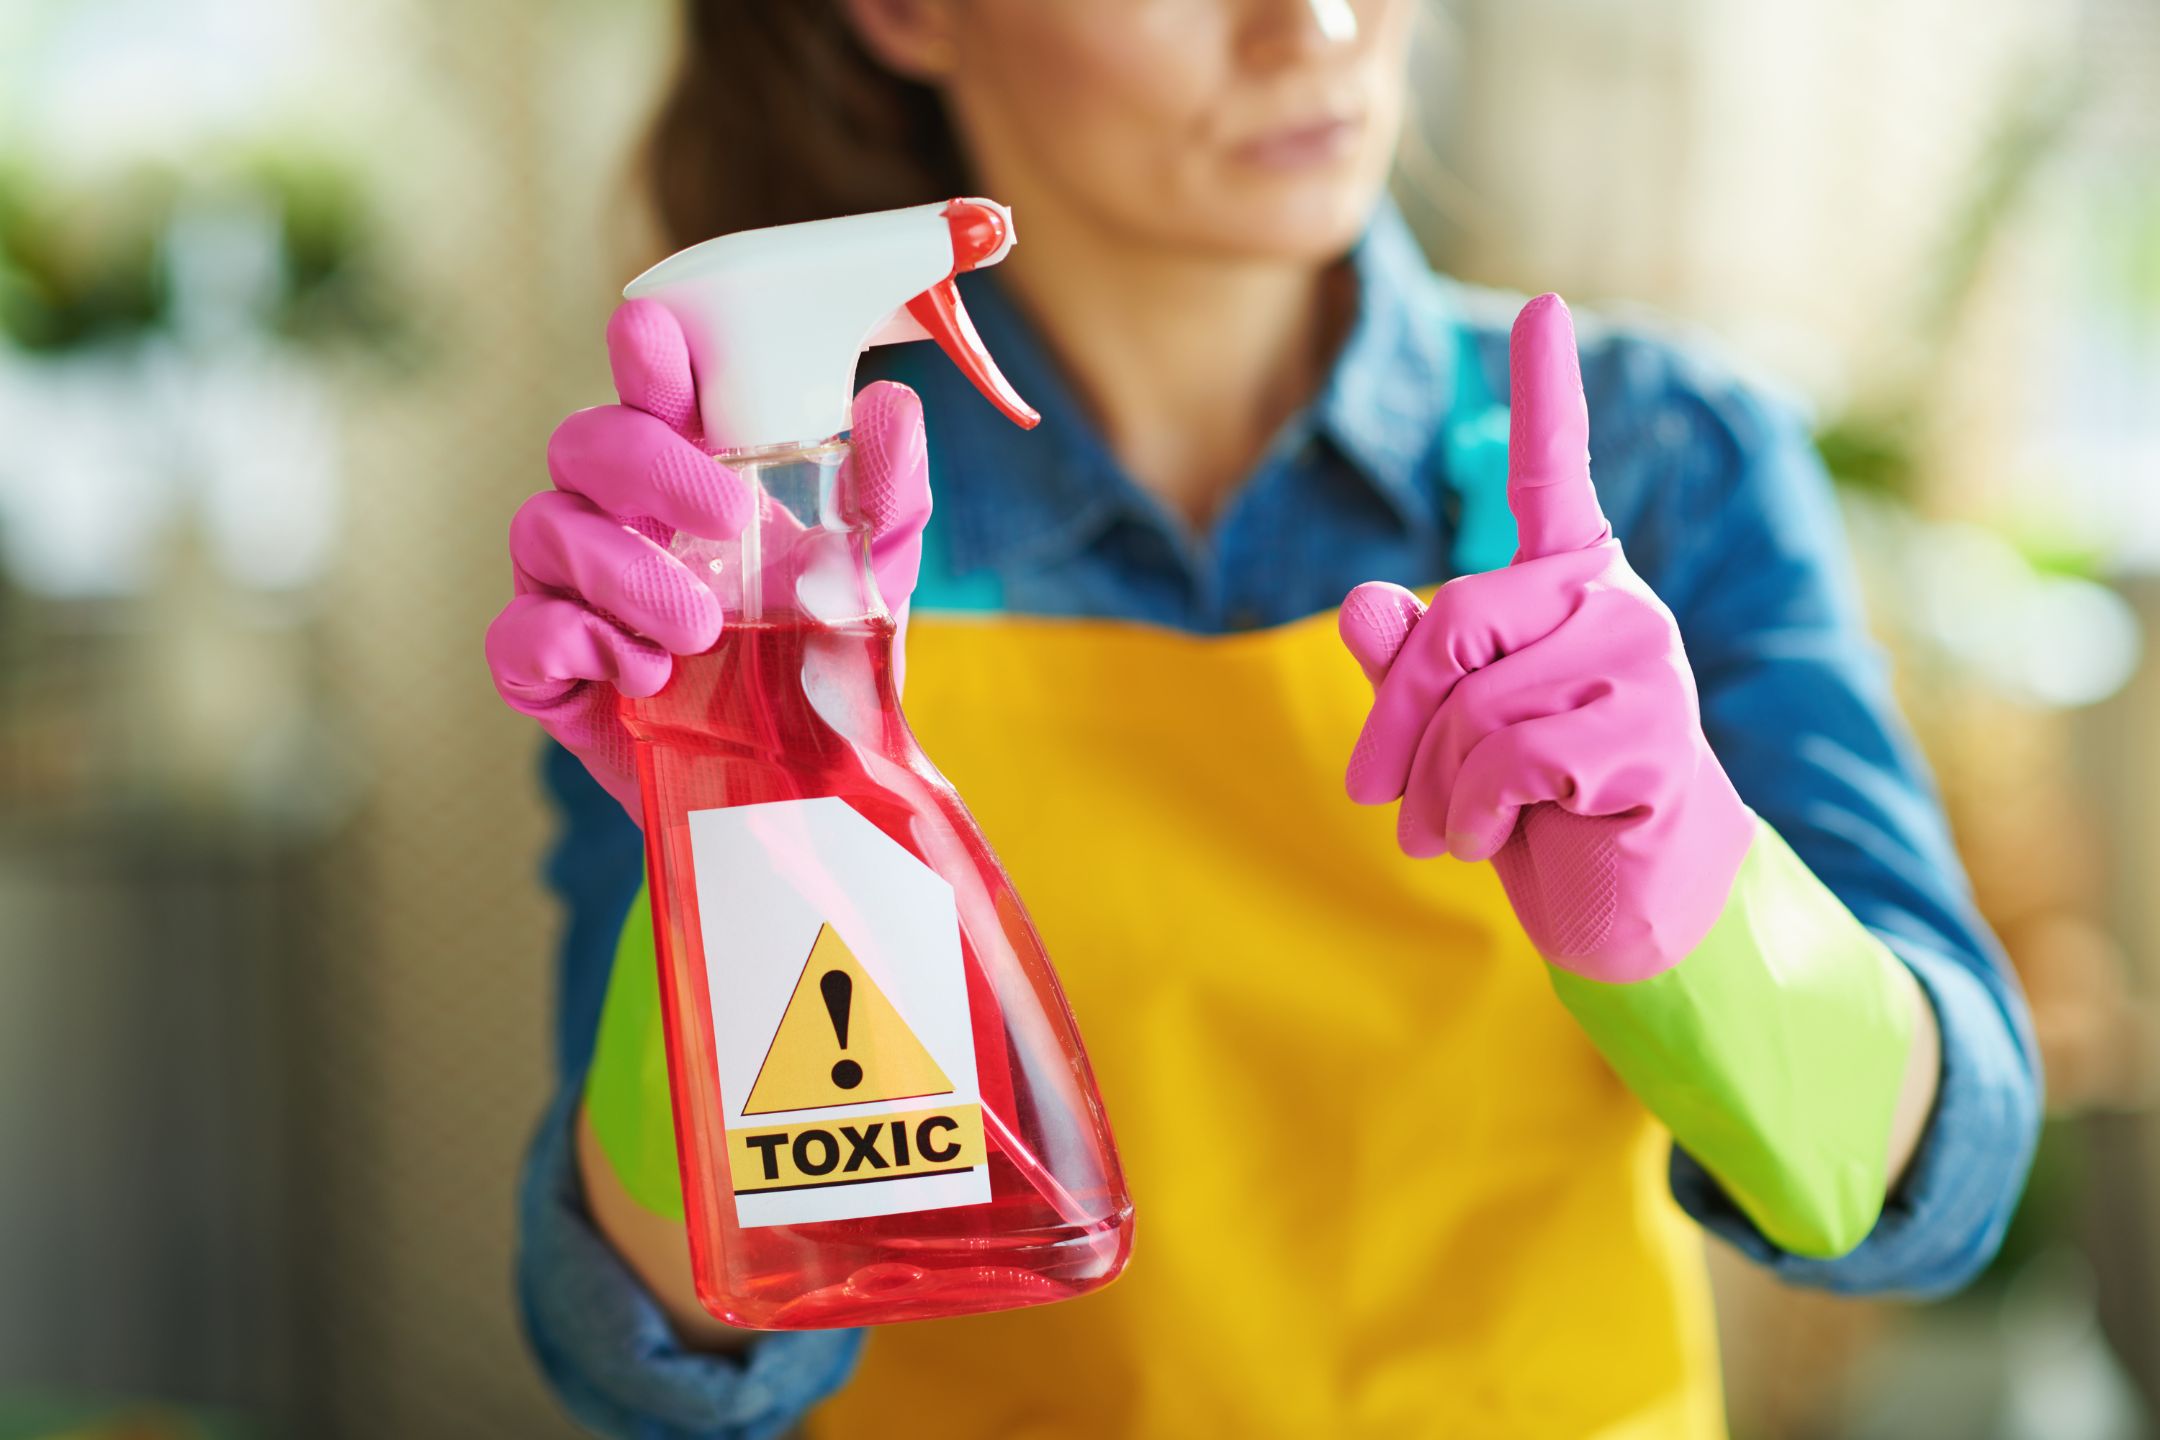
291	293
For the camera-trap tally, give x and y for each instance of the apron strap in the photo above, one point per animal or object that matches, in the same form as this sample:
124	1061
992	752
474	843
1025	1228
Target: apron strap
939	589
1473	441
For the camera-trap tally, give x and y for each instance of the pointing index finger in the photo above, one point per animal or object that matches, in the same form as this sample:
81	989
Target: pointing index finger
1549	490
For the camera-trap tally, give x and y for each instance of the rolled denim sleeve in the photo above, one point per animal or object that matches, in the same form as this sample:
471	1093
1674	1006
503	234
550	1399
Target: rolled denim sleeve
603	1343
610	1353
1796	704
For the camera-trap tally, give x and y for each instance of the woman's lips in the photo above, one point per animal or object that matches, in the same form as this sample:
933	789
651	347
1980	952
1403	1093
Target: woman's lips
1298	147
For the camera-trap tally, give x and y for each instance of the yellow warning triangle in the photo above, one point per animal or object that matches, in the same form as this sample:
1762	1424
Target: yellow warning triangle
808	1064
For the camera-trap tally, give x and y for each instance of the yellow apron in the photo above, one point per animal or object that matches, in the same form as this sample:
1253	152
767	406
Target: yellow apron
1383	1185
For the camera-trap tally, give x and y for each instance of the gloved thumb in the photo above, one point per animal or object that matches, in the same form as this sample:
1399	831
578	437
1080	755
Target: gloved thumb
1374	621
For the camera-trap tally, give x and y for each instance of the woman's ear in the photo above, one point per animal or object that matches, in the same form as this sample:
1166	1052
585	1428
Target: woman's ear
916	39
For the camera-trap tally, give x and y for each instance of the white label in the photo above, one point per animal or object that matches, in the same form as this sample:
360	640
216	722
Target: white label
840	1017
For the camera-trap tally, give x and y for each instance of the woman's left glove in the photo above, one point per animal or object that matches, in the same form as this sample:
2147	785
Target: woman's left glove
1544	717
1559	679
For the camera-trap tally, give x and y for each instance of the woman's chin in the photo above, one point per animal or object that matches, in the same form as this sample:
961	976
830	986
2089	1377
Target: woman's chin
1309	222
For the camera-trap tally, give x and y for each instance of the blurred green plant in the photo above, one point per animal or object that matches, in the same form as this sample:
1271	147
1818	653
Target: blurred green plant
77	269
85	263
333	287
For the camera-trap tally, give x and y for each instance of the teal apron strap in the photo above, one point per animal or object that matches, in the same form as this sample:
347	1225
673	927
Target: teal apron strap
941	591
1474	453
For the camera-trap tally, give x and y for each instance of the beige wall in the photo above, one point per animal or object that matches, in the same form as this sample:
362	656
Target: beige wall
1781	172
502	170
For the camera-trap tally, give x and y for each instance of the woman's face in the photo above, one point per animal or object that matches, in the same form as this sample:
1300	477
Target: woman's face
1257	128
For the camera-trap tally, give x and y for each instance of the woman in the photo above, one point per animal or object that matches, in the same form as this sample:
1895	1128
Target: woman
1391	1113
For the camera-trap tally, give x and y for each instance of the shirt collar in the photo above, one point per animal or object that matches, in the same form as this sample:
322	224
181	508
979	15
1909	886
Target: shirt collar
1003	495
1387	395
1007	496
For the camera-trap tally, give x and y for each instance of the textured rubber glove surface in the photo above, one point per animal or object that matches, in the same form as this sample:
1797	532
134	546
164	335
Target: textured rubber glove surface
601	607
1543	716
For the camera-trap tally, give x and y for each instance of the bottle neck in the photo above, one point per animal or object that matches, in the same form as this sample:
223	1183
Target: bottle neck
806	553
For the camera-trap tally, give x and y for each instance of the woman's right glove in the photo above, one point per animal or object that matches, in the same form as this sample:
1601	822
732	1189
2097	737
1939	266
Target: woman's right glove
601	607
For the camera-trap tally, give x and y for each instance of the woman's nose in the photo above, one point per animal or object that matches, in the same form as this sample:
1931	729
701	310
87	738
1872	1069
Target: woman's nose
1286	29
1336	21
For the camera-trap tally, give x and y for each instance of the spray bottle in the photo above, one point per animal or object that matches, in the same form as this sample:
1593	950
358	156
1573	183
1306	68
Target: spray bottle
882	1108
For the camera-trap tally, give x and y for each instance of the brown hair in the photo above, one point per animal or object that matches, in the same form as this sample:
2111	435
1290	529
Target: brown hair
778	114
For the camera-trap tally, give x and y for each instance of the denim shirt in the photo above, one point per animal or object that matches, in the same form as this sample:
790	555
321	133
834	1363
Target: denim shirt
1396	471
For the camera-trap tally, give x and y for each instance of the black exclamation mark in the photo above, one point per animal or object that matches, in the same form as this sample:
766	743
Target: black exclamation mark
838	991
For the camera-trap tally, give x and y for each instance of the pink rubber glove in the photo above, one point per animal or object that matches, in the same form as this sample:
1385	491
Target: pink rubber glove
601	607
1544	716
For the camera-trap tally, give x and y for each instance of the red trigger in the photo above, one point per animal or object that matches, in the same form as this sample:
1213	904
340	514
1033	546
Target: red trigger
938	310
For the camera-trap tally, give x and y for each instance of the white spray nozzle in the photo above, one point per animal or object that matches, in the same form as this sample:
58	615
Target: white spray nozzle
776	318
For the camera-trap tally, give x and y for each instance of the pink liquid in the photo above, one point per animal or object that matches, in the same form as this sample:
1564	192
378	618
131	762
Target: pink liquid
795	710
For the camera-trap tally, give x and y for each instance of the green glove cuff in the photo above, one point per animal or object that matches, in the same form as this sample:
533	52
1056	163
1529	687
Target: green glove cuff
1775	1052
627	1099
